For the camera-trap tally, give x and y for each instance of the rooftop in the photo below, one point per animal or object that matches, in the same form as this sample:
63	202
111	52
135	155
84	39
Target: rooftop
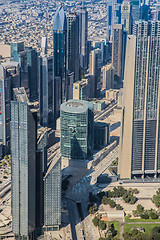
75	106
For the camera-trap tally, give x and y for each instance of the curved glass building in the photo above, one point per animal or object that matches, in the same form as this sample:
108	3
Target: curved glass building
76	129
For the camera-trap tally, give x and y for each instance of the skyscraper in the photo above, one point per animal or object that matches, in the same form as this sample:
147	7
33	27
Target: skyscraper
23	151
80	90
32	67
44	45
140	131
135	9
77	129
28	62
109	20
108	76
60	48
126	16
52	196
16	48
95	67
9	79
46	91
117	52
73	44
83	34
116	12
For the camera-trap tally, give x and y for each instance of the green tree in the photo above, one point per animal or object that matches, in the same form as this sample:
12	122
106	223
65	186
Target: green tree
155	233
111	203
6	157
156	200
140	208
119	207
132	200
112	230
4	163
102	225
95	221
153	215
104	200
93	209
144	216
136	235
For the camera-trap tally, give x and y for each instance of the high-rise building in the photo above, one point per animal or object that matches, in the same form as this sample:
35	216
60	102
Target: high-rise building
118	52
135	10
140	131
60	49
45	139
116	12
108	76
70	81
32	67
52	196
113	16
144	12
28	62
9	79
80	90
126	16
16	48
73	44
109	20
44	45
47	94
23	151
83	34
95	67
77	131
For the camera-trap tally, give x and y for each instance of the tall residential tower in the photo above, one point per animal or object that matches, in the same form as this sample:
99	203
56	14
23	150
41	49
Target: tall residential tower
140	131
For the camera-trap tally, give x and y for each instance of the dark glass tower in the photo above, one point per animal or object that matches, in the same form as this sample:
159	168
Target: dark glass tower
59	48
83	34
73	44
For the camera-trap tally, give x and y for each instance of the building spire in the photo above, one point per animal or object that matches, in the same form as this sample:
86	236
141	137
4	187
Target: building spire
82	3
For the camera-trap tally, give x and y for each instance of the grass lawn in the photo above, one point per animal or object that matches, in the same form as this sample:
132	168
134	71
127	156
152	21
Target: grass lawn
117	227
147	227
127	219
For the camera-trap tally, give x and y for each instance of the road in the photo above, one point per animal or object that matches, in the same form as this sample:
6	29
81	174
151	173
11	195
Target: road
79	193
90	231
105	113
74	218
104	164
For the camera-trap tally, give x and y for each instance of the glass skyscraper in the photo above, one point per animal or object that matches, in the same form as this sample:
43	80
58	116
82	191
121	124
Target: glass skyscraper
52	196
28	61
9	79
73	44
60	48
76	129
140	132
46	91
83	35
23	151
